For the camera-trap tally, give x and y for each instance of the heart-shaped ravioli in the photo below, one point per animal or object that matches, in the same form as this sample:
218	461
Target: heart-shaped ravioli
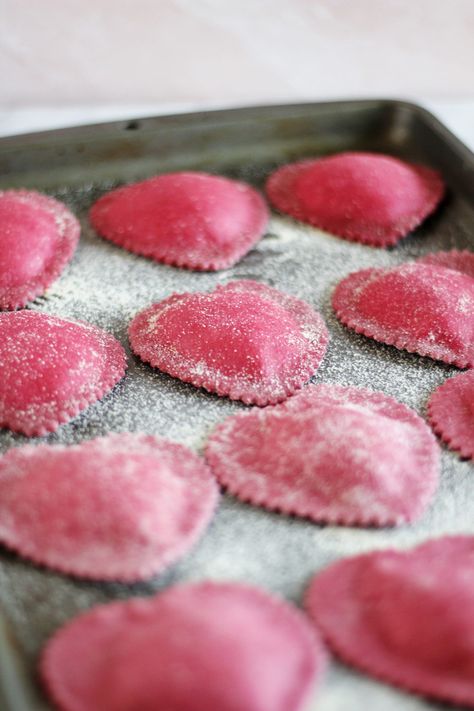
451	413
51	369
424	307
364	197
121	507
245	340
201	647
38	236
331	453
193	220
405	617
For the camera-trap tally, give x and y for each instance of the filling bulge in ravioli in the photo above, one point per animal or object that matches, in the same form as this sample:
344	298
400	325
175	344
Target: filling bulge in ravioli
38	236
52	368
451	413
370	198
424	307
245	340
196	647
187	219
420	596
121	507
404	616
333	454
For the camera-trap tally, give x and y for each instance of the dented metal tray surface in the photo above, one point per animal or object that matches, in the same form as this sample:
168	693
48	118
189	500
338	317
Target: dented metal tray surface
107	286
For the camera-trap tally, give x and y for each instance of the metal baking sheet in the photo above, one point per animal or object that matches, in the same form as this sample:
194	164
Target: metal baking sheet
107	286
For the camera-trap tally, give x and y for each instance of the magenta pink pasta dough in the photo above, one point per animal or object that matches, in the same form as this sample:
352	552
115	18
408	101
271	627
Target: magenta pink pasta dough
51	369
38	236
192	220
451	413
406	617
121	507
424	307
198	647
364	197
331	453
245	340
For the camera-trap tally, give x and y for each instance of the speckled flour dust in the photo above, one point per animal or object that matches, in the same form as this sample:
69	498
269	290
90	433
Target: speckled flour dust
108	286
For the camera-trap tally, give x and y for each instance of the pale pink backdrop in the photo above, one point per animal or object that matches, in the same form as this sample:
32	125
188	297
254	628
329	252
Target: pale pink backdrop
66	52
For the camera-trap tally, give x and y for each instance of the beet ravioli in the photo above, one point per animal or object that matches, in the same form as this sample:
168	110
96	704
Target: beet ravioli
192	220
364	197
404	617
424	307
199	647
245	340
51	369
38	237
451	413
331	453
121	507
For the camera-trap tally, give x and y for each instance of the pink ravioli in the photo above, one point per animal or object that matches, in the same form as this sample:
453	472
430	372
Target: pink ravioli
404	617
191	220
121	507
364	197
451	413
38	236
334	454
51	369
199	647
424	307
245	340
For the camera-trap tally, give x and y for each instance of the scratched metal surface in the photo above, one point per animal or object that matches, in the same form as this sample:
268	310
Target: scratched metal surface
107	286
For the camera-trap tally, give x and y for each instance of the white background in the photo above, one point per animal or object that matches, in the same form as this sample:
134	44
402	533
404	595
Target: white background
79	51
71	61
